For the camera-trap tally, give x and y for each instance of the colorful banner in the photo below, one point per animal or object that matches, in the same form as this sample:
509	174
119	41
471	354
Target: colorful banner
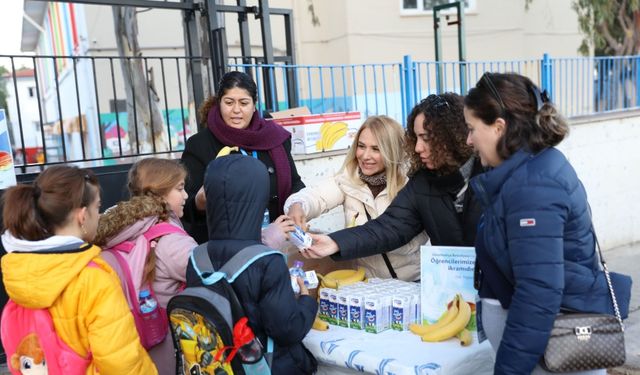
7	172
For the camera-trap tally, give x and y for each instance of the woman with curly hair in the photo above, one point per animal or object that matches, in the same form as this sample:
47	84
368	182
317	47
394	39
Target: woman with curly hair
436	199
373	173
157	194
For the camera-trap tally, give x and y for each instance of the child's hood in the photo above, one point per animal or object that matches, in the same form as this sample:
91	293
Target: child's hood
36	279
237	190
141	211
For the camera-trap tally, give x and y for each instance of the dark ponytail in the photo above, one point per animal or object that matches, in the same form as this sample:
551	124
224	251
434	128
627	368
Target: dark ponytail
533	122
34	212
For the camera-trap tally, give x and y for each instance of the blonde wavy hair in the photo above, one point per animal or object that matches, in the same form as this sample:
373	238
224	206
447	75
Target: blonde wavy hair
390	137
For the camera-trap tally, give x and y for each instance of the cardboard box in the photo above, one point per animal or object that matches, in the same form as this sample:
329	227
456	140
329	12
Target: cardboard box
318	133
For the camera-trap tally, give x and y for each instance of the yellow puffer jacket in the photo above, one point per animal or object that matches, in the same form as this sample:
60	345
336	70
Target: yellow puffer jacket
89	311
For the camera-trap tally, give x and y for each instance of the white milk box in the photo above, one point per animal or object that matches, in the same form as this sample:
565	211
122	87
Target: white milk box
323	312
333	307
343	308
356	311
402	312
377	309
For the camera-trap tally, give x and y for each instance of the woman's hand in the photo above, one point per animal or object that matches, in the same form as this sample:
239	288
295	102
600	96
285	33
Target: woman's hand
322	246
296	213
201	199
304	291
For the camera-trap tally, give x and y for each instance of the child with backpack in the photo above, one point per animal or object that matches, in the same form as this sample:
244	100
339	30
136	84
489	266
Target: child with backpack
67	313
144	241
237	192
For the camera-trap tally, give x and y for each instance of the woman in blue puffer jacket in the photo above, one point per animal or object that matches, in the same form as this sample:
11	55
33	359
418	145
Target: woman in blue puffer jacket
535	244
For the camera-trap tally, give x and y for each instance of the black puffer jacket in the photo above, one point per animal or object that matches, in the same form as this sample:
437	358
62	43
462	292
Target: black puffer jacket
425	203
237	192
203	147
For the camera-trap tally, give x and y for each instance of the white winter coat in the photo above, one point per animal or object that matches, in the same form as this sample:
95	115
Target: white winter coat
355	196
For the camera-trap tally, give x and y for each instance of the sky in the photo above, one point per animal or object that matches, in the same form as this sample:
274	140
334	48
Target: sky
10	27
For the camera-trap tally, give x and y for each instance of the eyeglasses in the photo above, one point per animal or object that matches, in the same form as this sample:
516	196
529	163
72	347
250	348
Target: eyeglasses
486	78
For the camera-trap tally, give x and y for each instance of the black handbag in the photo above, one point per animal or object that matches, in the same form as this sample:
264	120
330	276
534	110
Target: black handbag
583	341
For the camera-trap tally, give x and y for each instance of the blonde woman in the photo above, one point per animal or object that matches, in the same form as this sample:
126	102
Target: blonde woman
370	178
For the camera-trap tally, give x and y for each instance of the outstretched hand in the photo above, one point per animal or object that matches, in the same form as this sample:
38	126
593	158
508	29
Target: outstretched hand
321	247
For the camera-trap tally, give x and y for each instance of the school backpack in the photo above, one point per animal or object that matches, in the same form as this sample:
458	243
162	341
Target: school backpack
32	344
127	259
210	331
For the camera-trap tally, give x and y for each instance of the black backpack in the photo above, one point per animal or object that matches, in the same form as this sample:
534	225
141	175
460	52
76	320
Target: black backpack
209	328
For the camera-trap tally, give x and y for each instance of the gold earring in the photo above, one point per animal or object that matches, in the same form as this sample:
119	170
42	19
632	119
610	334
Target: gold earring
83	230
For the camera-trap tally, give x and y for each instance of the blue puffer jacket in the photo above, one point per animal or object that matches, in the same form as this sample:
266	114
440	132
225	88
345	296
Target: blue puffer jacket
536	229
237	189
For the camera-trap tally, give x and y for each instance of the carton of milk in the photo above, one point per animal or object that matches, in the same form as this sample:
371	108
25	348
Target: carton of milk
377	309
343	308
356	311
333	307
402	312
323	312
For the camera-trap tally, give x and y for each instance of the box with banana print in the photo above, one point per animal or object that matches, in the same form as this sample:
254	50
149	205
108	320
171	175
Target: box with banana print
318	133
447	294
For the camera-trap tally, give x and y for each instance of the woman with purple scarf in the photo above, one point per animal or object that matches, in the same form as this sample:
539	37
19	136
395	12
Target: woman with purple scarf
232	120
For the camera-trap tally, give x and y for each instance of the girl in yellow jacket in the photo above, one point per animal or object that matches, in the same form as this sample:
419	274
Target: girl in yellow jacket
51	265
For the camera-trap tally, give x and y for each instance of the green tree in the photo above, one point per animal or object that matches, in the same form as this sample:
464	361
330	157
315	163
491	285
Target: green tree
609	27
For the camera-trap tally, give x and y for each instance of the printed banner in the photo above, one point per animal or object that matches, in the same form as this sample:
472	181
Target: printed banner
7	172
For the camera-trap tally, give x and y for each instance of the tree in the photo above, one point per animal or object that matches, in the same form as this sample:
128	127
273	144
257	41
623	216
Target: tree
151	130
609	27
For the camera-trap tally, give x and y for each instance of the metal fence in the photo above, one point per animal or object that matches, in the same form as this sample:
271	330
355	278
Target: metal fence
73	108
578	86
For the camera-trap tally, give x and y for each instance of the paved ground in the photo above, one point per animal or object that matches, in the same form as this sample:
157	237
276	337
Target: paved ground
625	259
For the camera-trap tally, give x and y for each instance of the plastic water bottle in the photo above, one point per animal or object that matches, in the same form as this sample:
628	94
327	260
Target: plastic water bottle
147	303
295	272
265	219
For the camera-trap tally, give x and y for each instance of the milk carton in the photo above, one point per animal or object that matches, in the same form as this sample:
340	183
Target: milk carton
323	313
333	306
402	312
376	313
356	311
343	308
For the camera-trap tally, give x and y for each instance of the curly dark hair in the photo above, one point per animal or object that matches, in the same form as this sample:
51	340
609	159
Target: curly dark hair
445	131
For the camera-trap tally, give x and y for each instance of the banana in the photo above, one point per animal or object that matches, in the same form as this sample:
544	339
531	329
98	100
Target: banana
335	131
452	312
323	132
320	325
226	150
458	324
465	337
339	278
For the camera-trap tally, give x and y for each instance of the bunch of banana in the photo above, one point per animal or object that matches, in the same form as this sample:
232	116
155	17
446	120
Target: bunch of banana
339	278
330	133
320	325
452	323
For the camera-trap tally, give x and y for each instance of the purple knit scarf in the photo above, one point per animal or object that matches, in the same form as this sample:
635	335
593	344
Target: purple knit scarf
260	135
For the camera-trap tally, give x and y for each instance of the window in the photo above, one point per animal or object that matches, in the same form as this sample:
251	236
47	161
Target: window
426	6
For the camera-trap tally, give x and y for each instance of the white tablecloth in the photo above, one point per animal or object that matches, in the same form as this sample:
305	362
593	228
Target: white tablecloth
344	350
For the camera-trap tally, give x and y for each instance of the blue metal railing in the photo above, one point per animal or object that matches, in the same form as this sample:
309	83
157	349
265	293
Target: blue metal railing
579	86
